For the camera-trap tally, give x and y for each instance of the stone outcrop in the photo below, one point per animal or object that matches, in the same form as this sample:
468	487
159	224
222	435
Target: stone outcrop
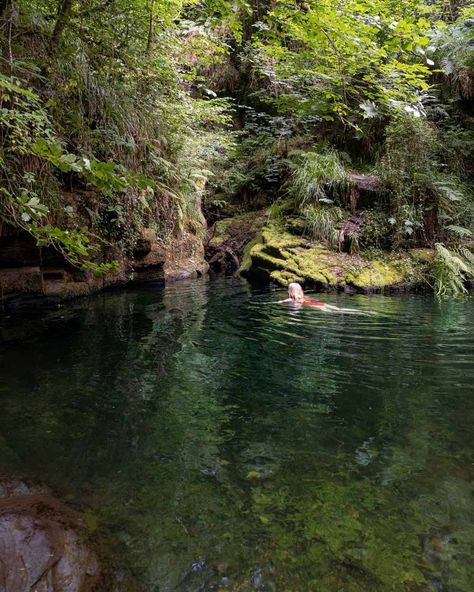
283	257
26	270
363	186
228	238
42	543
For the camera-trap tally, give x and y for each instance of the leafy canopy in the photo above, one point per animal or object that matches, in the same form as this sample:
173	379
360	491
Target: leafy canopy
326	59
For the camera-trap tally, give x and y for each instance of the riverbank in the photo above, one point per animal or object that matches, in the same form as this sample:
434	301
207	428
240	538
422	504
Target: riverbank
278	251
255	245
30	274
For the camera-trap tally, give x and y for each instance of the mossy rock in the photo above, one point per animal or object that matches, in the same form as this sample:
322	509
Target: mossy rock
422	255
246	263
277	238
285	277
280	256
375	275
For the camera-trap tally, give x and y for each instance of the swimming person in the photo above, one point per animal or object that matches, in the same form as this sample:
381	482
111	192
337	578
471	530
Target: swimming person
296	296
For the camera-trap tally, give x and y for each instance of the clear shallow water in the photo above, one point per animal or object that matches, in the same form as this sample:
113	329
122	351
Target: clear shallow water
218	441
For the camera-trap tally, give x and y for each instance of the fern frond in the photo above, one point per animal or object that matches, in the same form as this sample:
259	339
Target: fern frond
459	231
451	269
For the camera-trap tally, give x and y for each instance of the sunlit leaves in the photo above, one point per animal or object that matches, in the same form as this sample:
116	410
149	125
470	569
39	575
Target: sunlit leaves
327	57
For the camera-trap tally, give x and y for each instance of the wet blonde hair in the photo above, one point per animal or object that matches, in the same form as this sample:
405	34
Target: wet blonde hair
295	292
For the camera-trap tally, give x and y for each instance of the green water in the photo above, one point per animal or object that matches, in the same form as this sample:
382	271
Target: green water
217	441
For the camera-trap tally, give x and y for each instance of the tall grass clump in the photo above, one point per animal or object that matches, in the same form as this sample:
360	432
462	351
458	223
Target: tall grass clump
317	177
322	223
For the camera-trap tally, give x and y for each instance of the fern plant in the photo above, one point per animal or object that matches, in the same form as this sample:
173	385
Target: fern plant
452	268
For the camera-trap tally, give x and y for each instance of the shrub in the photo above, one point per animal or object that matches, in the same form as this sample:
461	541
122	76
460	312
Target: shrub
317	177
375	231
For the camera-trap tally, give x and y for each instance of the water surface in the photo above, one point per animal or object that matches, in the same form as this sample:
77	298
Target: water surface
219	441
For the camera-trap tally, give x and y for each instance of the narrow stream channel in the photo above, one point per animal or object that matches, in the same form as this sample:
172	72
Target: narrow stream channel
217	440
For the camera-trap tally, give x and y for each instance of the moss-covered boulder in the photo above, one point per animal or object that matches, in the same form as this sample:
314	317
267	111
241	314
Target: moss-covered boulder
283	257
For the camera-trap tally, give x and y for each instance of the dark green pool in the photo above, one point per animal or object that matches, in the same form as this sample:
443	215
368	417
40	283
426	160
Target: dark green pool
218	441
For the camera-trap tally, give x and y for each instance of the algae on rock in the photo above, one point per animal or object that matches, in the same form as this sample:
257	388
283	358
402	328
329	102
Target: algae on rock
279	255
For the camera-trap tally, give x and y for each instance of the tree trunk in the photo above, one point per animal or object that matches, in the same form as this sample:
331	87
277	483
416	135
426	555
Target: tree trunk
4	6
151	31
64	12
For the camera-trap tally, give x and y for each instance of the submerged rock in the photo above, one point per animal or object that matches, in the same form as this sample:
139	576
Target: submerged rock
283	257
42	547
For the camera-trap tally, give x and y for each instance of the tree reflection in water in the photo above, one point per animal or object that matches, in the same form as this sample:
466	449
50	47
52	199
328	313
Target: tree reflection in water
215	439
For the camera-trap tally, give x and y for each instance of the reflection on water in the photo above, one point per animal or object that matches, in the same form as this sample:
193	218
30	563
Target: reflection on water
217	440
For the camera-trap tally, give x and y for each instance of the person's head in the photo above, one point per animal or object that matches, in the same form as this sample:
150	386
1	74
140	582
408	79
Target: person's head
295	292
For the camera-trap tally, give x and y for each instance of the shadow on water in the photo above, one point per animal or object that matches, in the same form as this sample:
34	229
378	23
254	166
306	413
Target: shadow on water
218	440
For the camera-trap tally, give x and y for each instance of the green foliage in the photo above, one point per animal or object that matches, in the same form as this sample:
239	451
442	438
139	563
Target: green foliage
25	124
324	60
453	48
410	149
124	106
322	223
257	162
426	203
317	176
451	269
23	118
115	113
375	231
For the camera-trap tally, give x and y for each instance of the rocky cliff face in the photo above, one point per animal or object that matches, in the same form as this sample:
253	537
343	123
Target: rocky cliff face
29	271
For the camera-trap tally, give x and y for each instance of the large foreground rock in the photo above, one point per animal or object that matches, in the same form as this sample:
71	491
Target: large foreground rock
42	548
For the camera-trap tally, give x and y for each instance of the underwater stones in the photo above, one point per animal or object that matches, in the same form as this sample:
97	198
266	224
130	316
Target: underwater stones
41	543
283	257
